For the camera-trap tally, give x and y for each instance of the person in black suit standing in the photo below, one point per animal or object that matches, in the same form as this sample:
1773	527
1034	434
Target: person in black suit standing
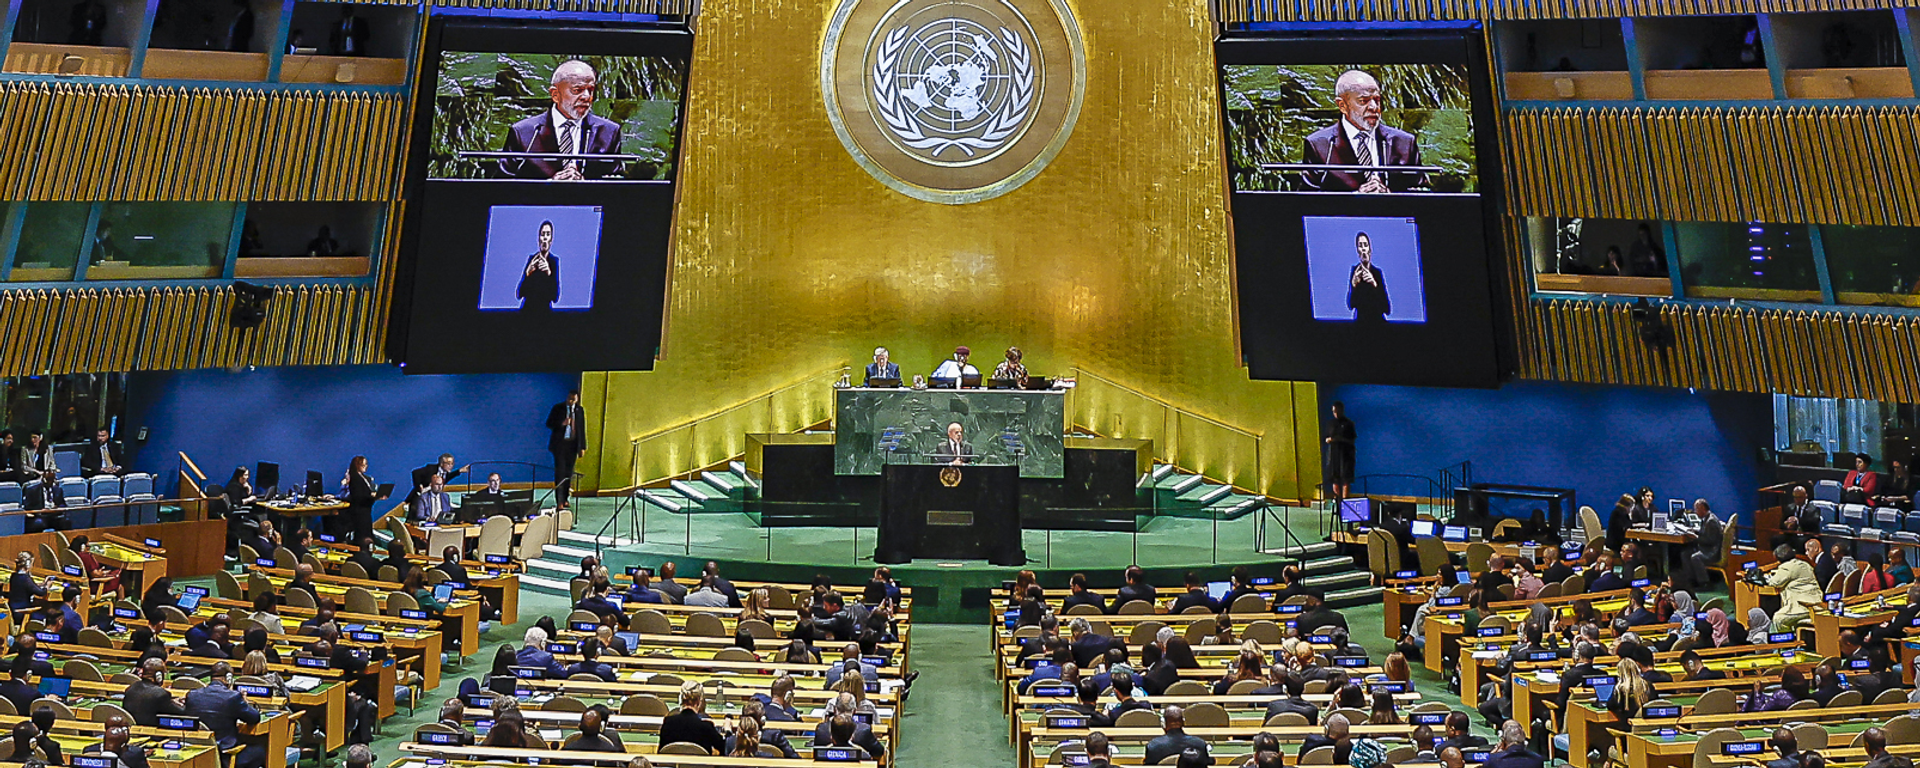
540	282
100	457
1359	139
351	34
567	441
361	495
567	127
423	476
1366	287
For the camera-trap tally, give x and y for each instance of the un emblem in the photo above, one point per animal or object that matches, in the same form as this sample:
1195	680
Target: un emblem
953	101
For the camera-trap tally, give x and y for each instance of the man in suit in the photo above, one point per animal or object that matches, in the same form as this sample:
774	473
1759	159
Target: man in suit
539	284
1082	596
1460	733
1136	588
850	659
1288	692
1697	669
1174	738
350	35
1787	746
1196	595
882	367
431	504
567	441
675	591
116	741
1513	752
221	709
840	729
1089	647
1335	733
100	457
568	127
1366	287
147	698
533	653
1798	517
1359	139
47	499
492	494
955	450
423	476
209	638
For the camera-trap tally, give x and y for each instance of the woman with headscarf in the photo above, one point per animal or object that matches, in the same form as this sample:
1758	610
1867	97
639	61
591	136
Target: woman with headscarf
1719	628
1758	626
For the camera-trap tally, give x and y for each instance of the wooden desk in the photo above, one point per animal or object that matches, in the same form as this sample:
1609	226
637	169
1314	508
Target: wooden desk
493	756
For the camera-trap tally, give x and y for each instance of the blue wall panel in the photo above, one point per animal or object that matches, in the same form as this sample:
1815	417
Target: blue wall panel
1599	441
319	417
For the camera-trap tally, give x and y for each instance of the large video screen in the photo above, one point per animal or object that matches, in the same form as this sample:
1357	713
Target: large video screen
1362	209
543	167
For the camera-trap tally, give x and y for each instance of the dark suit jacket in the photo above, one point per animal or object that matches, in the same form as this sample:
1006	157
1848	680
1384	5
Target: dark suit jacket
1088	597
90	458
1707	673
1518	757
1191	598
20	692
22	590
689	727
1089	649
1172	744
539	290
146	702
1130	593
1318	740
423	477
133	756
946	453
1329	145
1369	302
558	442
221	710
45	496
862	738
351	29
1288	704
537	133
892	371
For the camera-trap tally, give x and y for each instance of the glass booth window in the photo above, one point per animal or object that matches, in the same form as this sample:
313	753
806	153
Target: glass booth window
1873	265
1751	260
50	240
161	241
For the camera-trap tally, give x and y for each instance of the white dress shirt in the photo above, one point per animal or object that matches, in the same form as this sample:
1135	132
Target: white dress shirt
1356	136
954	369
560	122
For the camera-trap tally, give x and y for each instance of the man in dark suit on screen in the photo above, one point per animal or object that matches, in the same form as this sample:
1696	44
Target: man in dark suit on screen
1359	139
540	281
955	450
1366	287
569	127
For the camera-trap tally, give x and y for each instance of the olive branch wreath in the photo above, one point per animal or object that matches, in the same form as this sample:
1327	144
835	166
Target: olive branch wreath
1005	123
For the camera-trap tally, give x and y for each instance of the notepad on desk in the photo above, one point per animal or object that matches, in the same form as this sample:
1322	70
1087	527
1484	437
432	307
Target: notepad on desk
304	683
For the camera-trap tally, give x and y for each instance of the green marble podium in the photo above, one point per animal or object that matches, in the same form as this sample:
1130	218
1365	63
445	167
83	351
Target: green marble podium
876	427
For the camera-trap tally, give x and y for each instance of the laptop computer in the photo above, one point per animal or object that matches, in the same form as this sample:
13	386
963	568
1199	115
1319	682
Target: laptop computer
1218	590
314	487
1454	533
1003	383
55	686
1424	529
883	383
443	592
970	380
1039	382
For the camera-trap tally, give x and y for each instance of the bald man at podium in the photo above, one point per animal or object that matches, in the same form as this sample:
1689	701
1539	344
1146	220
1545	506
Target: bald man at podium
954	450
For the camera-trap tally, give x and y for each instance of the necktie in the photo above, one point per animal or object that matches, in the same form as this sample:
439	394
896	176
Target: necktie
1363	148
566	140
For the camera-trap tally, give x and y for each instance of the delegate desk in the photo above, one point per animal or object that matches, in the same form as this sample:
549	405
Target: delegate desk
463	613
276	722
145	564
1584	719
1289	736
1649	749
498	582
492	757
1444	629
1242	709
196	748
1005	426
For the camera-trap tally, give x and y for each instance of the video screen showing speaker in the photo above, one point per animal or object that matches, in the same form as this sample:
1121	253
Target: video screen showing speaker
544	165
1363	181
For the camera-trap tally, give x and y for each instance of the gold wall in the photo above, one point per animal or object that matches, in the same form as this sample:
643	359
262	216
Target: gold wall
789	259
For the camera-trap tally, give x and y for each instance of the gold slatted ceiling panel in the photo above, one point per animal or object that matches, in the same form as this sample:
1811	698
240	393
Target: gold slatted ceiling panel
659	7
1824	165
125	329
124	142
1813	353
1242	11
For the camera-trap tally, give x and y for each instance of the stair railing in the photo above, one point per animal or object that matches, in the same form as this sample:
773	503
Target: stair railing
1278	515
693	444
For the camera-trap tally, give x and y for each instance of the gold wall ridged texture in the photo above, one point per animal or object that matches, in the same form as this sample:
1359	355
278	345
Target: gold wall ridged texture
1809	353
142	329
1240	11
1822	165
89	142
789	259
660	7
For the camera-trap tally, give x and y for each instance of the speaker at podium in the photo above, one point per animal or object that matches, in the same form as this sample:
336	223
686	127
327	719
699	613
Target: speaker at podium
950	511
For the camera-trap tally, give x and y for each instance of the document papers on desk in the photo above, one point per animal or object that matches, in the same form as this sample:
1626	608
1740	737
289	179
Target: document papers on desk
304	683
